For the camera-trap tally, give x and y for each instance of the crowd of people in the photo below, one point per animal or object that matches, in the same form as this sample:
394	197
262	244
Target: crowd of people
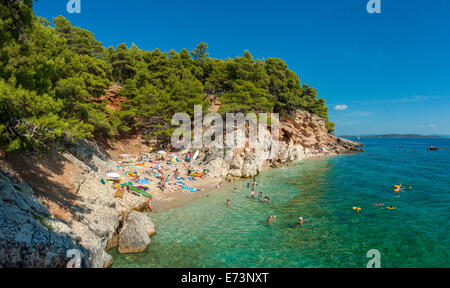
252	185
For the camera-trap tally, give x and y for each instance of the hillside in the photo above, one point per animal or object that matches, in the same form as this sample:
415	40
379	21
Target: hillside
58	84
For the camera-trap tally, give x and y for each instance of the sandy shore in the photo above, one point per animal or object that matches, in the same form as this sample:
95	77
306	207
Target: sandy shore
174	198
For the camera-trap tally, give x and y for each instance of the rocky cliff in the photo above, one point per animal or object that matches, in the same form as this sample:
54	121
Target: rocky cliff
300	135
31	237
95	221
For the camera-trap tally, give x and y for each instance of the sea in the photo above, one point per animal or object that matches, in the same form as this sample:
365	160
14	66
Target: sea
206	233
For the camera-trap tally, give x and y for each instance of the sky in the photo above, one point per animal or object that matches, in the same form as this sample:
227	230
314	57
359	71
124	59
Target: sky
379	73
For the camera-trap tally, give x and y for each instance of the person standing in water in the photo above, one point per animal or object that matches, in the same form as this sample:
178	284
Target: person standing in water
271	219
228	203
252	194
300	221
254	183
260	196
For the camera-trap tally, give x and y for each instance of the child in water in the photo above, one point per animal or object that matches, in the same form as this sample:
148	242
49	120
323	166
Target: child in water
260	196
252	194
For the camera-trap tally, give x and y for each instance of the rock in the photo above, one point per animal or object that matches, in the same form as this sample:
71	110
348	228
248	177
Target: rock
134	237
301	134
28	238
108	260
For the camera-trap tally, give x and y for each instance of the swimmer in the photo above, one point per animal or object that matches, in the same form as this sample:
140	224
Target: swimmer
271	219
252	194
300	220
260	196
235	190
266	199
229	203
390	208
378	204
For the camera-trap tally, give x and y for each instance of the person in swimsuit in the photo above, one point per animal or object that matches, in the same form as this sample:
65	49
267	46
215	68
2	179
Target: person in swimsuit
260	196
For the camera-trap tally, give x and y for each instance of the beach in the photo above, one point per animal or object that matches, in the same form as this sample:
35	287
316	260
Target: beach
206	233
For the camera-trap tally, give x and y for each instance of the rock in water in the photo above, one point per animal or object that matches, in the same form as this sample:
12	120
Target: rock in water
134	237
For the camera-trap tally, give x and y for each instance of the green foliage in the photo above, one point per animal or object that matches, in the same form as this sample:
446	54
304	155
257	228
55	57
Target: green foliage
199	53
79	40
51	81
15	18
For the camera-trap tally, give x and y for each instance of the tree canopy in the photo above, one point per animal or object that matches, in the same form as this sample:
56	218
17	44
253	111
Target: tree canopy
52	77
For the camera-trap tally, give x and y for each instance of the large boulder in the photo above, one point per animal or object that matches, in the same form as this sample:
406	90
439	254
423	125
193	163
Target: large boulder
134	237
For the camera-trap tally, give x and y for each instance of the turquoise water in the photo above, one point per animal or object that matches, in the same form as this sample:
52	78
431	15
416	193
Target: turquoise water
206	233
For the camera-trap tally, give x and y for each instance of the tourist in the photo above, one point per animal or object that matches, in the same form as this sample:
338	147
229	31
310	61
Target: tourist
260	196
252	194
271	219
300	221
150	204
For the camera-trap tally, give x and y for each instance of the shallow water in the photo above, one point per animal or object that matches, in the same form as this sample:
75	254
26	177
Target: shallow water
206	233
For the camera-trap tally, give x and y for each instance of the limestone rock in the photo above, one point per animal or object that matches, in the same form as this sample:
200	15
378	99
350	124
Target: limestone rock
27	236
134	237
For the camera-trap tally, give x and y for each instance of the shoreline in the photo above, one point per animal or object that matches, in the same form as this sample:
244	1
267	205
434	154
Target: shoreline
182	198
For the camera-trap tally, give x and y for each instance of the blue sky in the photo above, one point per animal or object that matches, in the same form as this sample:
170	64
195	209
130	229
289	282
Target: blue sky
391	71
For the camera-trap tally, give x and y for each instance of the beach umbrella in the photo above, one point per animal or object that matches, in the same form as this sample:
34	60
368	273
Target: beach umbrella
113	175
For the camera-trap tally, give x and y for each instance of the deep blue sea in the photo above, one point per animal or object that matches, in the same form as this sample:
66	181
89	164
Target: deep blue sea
206	233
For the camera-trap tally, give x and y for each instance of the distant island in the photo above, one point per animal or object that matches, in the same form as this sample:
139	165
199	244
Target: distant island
400	136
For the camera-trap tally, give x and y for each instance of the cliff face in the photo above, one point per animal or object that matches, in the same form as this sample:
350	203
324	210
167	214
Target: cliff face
95	221
301	135
31	237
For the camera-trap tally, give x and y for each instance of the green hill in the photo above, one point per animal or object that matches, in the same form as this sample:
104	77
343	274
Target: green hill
51	78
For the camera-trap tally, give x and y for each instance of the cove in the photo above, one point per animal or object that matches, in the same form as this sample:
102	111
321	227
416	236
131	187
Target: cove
206	233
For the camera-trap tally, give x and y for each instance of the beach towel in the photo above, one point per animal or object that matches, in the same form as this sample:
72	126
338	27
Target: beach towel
119	194
189	188
143	181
